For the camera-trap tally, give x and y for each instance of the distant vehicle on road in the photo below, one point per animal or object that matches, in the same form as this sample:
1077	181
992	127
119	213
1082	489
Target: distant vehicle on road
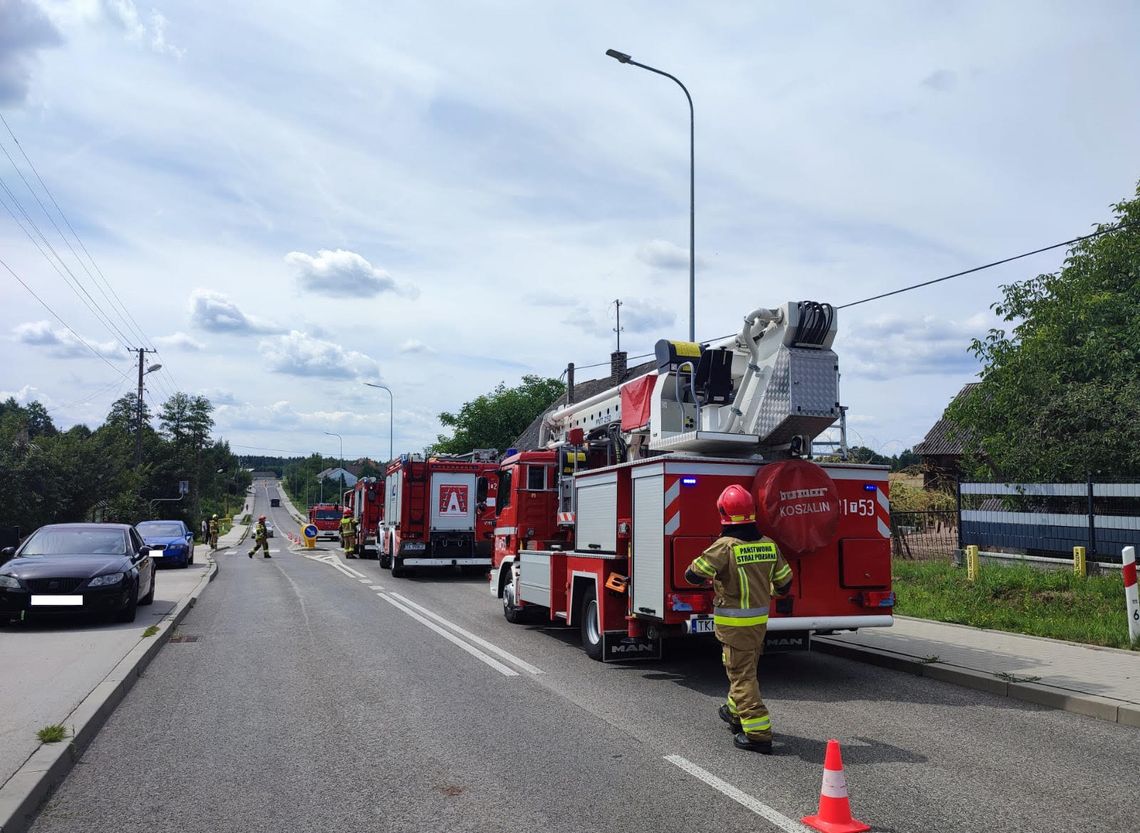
170	542
269	529
275	501
72	568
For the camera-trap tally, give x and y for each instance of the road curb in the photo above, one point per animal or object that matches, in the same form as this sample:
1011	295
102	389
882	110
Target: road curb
1091	705
22	795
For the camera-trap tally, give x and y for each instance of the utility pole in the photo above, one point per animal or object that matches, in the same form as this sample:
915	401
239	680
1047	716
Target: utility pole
142	351
617	329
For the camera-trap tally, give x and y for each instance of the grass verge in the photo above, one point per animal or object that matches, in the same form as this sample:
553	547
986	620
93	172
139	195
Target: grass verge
52	733
1016	598
151	631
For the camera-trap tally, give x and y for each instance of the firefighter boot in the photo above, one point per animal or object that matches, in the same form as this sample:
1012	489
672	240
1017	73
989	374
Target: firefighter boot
742	741
728	717
250	553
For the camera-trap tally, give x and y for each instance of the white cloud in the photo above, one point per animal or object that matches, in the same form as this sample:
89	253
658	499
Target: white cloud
26	394
415	346
24	30
215	312
342	272
299	354
180	341
894	346
661	254
62	343
124	15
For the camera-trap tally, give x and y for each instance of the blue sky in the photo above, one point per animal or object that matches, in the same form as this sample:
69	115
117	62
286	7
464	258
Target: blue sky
291	199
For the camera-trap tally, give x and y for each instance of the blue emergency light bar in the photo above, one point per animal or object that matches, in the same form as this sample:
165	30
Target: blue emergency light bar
870	487
688	481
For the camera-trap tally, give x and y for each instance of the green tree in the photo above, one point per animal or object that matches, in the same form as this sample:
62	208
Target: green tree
495	419
1058	393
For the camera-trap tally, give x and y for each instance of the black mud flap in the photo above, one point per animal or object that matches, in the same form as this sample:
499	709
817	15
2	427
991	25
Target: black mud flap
784	641
620	647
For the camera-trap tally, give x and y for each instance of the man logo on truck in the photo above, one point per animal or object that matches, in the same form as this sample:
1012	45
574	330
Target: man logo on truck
452	499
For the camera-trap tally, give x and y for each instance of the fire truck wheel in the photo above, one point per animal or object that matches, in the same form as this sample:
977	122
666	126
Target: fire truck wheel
385	562
398	569
590	625
514	614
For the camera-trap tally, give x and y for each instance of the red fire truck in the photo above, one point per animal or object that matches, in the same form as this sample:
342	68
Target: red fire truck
326	518
366	500
438	512
595	529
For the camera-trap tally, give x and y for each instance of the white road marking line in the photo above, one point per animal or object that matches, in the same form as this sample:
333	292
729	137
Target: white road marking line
355	573
375	587
478	640
450	637
365	580
332	562
755	805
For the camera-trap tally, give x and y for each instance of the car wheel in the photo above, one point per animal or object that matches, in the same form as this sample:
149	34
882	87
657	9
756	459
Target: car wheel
590	624
149	597
127	614
398	569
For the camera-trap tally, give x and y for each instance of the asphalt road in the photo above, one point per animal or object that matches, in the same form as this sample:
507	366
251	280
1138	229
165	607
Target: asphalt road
312	701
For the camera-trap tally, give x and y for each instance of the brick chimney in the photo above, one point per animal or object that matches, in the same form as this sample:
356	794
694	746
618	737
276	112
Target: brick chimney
617	365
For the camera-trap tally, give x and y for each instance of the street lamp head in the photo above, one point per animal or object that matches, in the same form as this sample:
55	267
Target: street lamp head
619	56
153	368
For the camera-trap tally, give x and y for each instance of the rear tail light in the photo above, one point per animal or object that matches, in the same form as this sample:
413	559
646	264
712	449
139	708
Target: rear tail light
877	598
689	603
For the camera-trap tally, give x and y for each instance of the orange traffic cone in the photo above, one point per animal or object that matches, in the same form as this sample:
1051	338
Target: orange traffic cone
834	814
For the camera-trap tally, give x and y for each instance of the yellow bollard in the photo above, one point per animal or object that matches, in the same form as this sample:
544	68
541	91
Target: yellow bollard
1080	566
972	563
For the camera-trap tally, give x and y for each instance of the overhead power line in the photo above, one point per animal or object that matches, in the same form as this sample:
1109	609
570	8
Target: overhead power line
992	264
56	316
122	312
984	266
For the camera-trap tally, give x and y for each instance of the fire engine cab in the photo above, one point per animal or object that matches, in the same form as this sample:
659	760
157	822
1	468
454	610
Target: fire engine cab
366	500
596	528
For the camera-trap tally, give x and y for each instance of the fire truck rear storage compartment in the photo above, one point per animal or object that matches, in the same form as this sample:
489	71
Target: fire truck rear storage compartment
865	562
453	501
648	579
597	512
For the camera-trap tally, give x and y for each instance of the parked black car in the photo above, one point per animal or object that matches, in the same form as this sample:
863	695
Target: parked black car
68	568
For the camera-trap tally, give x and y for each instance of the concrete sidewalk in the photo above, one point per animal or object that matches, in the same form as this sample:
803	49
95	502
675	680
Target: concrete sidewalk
1100	682
74	671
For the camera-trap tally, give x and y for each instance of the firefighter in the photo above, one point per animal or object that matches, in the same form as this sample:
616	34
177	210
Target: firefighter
744	567
213	532
260	537
348	534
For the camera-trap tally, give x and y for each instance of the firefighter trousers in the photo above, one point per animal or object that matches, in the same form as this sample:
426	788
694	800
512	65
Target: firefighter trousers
744	701
262	544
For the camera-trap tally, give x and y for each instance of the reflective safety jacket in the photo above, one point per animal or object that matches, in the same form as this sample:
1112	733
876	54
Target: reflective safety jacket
743	575
261	533
348	526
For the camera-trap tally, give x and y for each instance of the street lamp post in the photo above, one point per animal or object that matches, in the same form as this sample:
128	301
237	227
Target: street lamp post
626	59
391	415
339	437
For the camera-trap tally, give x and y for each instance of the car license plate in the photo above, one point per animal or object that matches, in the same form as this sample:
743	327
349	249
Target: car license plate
63	601
701	625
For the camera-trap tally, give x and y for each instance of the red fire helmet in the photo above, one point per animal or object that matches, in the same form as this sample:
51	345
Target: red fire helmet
347	512
736	506
261	517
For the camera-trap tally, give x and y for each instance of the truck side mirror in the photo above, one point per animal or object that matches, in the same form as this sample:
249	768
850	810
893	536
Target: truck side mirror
481	490
6	554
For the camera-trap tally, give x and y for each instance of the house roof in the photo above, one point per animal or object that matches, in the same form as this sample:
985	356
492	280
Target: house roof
946	438
528	439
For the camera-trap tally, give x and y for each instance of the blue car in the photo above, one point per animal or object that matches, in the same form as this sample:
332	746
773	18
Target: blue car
170	542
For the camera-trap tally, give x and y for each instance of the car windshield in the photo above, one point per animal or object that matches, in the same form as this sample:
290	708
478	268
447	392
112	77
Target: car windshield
160	529
76	542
